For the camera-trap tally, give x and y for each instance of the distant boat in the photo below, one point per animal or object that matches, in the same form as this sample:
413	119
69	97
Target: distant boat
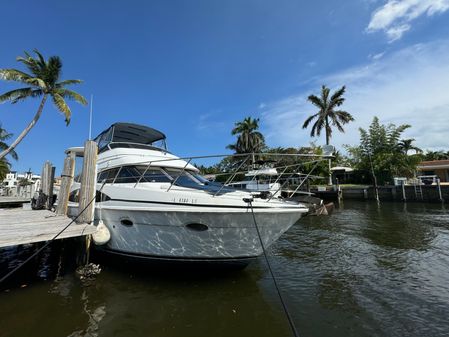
266	181
156	205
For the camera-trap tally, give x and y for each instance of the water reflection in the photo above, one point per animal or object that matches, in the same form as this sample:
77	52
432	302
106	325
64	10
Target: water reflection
367	270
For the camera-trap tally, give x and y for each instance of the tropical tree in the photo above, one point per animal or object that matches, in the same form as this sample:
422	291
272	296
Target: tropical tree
249	140
381	153
4	136
4	168
328	115
406	145
436	155
43	80
5	165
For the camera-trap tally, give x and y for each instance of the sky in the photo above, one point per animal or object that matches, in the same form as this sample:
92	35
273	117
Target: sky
193	68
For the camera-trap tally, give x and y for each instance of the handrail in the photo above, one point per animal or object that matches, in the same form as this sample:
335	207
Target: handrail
232	176
116	175
297	188
142	175
234	173
176	179
280	188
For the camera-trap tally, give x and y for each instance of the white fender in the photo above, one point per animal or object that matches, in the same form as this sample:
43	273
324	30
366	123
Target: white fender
102	235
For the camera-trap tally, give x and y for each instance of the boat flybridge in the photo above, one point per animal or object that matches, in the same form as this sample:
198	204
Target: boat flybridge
156	205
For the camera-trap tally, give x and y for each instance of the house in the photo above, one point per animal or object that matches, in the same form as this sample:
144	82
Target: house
439	168
20	184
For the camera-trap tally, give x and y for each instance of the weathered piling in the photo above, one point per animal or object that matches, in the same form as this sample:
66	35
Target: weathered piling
66	183
48	177
88	183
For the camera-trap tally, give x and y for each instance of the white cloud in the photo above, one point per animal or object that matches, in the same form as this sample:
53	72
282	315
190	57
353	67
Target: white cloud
410	86
395	16
376	56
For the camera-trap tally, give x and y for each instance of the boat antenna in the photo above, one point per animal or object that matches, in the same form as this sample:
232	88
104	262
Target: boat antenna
90	116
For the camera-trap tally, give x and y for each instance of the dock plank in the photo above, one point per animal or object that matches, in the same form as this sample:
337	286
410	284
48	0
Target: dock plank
18	226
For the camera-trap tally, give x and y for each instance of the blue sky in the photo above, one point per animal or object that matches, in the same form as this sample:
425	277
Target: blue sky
193	68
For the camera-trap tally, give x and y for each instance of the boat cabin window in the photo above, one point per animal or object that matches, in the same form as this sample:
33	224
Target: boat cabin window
154	175
108	175
183	178
127	174
132	174
143	174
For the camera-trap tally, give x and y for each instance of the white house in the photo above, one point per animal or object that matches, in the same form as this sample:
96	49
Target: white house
20	184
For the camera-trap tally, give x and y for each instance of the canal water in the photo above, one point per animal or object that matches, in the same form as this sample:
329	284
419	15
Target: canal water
366	270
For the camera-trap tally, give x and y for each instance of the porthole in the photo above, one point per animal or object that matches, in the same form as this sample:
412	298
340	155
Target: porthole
197	227
126	222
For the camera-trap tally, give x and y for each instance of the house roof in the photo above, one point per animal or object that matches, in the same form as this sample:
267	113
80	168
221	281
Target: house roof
434	164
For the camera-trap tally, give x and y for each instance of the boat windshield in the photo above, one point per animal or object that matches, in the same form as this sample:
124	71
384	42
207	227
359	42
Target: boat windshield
184	178
138	173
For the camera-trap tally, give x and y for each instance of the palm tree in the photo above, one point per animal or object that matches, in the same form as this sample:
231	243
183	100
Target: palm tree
406	145
249	140
327	115
4	168
43	81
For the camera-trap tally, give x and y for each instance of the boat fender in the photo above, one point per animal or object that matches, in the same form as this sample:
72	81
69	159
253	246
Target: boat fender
102	235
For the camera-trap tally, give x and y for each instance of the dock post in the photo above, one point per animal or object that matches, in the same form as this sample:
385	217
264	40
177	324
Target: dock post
66	183
439	190
48	176
404	198
88	182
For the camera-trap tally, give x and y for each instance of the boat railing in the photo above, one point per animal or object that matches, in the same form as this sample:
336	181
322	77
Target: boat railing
244	159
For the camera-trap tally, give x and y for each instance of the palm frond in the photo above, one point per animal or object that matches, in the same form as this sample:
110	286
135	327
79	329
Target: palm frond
308	120
324	94
343	116
67	82
31	64
53	70
336	98
14	75
72	95
315	100
41	59
38	82
16	95
62	106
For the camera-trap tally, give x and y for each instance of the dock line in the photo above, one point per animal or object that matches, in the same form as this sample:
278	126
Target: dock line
284	306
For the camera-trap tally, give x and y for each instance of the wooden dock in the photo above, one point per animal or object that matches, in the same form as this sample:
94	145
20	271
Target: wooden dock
13	201
19	226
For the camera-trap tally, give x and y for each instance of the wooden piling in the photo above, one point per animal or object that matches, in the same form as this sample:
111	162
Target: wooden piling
88	183
66	183
48	176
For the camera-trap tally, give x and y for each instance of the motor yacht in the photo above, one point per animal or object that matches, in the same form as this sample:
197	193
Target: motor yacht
156	205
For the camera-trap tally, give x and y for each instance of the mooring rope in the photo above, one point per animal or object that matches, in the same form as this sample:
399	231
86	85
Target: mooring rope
49	242
284	306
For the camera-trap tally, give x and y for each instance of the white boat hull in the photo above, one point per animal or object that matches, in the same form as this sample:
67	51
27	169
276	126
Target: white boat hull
161	233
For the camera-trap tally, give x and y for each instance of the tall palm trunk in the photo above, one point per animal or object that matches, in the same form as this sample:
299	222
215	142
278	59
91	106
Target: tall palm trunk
330	160
27	129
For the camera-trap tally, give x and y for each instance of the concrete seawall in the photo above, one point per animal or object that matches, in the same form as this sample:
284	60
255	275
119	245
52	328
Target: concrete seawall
391	193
